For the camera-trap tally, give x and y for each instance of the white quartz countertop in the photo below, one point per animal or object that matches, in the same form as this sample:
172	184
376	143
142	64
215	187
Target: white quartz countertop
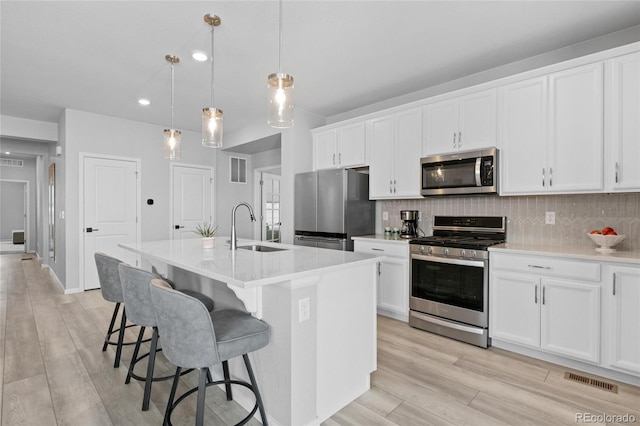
246	268
394	238
629	257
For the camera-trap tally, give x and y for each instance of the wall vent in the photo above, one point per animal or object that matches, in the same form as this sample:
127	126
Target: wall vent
600	384
8	162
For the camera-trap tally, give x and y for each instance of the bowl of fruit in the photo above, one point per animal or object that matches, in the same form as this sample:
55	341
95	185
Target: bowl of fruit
606	238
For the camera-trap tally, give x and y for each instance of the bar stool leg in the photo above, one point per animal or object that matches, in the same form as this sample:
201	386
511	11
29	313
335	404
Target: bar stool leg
172	396
227	385
254	384
150	365
123	324
134	358
113	321
202	389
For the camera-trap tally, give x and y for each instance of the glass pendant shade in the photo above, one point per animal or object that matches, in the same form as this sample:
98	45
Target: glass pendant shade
212	127
280	100
172	144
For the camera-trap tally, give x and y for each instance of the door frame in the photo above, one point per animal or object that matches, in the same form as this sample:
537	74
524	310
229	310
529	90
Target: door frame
211	169
257	197
82	157
27	207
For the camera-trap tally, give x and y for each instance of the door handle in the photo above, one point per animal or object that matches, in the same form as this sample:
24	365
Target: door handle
178	227
92	229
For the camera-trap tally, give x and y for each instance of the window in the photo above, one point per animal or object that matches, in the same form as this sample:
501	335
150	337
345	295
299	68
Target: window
238	170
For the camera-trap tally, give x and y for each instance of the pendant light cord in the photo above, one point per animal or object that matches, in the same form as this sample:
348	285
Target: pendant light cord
171	95
212	67
280	41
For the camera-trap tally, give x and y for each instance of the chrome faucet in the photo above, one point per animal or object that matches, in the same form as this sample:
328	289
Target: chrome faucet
234	240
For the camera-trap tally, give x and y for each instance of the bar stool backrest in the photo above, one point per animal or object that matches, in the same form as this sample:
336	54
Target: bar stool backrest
109	277
137	295
188	337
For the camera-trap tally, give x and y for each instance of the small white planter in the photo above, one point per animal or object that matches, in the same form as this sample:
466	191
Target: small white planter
208	242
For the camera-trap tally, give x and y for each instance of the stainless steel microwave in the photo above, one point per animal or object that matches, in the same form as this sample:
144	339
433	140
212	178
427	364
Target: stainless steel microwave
461	173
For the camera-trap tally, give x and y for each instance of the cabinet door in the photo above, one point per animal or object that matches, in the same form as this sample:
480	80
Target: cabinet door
515	308
576	130
408	140
623	173
351	145
382	157
477	121
570	319
624	319
324	150
523	136
393	288
441	127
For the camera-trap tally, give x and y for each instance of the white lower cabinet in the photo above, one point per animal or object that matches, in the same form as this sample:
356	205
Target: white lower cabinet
393	276
623	328
529	306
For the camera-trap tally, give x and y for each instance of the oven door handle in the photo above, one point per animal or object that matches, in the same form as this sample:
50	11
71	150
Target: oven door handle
474	263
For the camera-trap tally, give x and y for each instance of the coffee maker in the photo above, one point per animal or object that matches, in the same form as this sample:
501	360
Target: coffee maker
409	223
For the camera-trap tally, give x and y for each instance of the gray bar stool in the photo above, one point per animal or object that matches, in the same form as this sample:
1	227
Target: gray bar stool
137	297
195	338
111	289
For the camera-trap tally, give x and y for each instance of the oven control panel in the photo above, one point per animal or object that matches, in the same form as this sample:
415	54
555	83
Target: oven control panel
451	252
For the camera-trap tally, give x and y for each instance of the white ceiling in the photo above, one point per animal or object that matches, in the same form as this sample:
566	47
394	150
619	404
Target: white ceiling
101	56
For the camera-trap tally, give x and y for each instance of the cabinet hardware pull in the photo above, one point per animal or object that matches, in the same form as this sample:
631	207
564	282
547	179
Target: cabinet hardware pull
459	139
550	177
535	295
334	159
454	139
379	268
543	294
543	177
540	267
376	249
614	283
616	176
339	158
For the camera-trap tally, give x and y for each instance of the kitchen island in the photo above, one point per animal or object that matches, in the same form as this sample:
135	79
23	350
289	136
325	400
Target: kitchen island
321	305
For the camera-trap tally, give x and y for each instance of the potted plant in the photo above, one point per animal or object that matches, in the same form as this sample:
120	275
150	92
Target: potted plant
208	233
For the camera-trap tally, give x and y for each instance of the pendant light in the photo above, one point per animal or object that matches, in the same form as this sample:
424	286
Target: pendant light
280	92
212	117
172	136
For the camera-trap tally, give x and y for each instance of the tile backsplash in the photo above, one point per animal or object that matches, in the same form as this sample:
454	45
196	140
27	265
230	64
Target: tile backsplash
576	215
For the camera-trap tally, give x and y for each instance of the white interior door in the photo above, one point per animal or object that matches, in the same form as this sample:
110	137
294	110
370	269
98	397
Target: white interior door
110	211
192	199
270	208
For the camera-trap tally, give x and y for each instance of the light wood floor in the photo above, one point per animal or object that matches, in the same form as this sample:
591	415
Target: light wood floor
53	372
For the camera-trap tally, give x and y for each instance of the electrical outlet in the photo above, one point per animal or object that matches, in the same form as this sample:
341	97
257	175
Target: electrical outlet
304	309
385	215
550	218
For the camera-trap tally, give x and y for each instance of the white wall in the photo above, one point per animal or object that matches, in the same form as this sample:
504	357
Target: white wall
13	208
21	128
83	132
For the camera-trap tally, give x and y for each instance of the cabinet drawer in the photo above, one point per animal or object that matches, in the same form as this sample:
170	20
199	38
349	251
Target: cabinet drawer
385	248
546	266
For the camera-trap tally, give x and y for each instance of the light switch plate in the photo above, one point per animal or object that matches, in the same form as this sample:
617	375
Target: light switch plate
550	218
304	309
385	215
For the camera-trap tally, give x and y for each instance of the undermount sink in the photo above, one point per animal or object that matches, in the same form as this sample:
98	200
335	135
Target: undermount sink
256	247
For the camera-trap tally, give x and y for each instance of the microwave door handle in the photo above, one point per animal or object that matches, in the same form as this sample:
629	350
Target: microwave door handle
478	163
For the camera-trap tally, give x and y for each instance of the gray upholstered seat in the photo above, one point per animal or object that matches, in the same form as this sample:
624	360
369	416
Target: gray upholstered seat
195	338
111	289
137	297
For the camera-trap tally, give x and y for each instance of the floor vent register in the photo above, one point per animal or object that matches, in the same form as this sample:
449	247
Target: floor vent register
600	384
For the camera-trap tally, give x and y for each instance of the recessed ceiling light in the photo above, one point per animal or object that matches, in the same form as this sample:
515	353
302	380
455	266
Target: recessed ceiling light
199	56
144	102
7	152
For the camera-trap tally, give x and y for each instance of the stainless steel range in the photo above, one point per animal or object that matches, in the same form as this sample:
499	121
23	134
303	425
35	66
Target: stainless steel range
449	275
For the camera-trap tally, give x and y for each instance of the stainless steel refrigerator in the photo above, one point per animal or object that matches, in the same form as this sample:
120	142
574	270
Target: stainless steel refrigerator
331	206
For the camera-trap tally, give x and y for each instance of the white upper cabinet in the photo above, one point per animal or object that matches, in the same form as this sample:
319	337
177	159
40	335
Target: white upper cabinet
343	146
460	124
395	142
551	133
623	123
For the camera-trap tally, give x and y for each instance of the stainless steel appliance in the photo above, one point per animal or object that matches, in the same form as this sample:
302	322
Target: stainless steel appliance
470	172
449	276
331	206
409	227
